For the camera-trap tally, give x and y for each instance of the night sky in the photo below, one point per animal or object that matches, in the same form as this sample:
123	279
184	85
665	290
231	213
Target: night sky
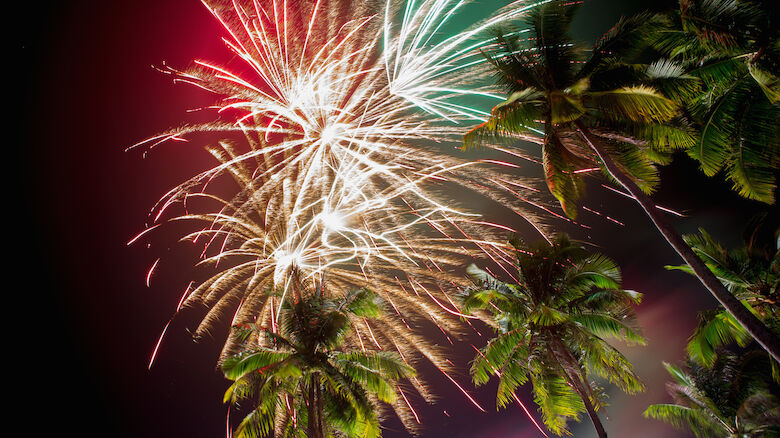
88	323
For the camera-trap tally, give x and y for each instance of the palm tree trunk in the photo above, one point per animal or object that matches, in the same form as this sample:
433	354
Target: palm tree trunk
594	417
320	409
753	325
568	362
313	426
310	423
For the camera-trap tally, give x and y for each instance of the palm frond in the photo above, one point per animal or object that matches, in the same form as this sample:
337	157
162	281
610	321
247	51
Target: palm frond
497	353
636	103
368	377
715	329
716	132
550	24
386	364
564	184
665	137
769	83
516	115
754	153
543	315
564	107
514	64
362	302
607	326
237	366
259	423
672	80
513	375
635	163
597	271
557	401
608	363
683	418
626	40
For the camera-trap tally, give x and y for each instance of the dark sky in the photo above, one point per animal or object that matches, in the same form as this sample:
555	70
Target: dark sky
83	77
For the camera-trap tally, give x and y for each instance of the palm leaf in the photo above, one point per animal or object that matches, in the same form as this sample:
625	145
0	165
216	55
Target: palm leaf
550	24
361	302
564	107
517	114
546	316
564	184
513	376
627	39
607	362
719	71
370	378
496	355
715	330
607	326
237	366
557	401
672	80
636	103
480	276
769	83
597	271
684	418
260	422
753	160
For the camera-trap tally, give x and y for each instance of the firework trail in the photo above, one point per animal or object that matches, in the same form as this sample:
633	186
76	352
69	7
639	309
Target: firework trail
337	113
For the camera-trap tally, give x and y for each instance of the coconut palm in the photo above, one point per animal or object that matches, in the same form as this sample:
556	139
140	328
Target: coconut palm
302	381
552	327
730	400
598	111
733	47
751	273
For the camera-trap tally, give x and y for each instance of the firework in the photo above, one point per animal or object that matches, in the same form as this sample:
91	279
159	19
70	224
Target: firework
340	119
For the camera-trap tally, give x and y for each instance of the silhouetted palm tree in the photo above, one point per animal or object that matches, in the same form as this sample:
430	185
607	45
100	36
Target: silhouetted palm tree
303	382
599	112
552	326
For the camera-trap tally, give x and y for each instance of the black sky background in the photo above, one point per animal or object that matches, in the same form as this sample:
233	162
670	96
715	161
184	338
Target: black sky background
84	323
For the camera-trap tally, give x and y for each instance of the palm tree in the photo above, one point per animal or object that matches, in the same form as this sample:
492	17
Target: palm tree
599	112
732	46
303	381
751	274
729	400
552	326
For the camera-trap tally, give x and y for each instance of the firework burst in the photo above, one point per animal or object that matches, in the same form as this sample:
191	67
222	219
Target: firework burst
340	116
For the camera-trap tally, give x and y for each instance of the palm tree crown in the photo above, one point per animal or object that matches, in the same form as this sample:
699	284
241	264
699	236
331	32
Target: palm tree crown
605	113
552	326
732	46
729	400
556	90
304	382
